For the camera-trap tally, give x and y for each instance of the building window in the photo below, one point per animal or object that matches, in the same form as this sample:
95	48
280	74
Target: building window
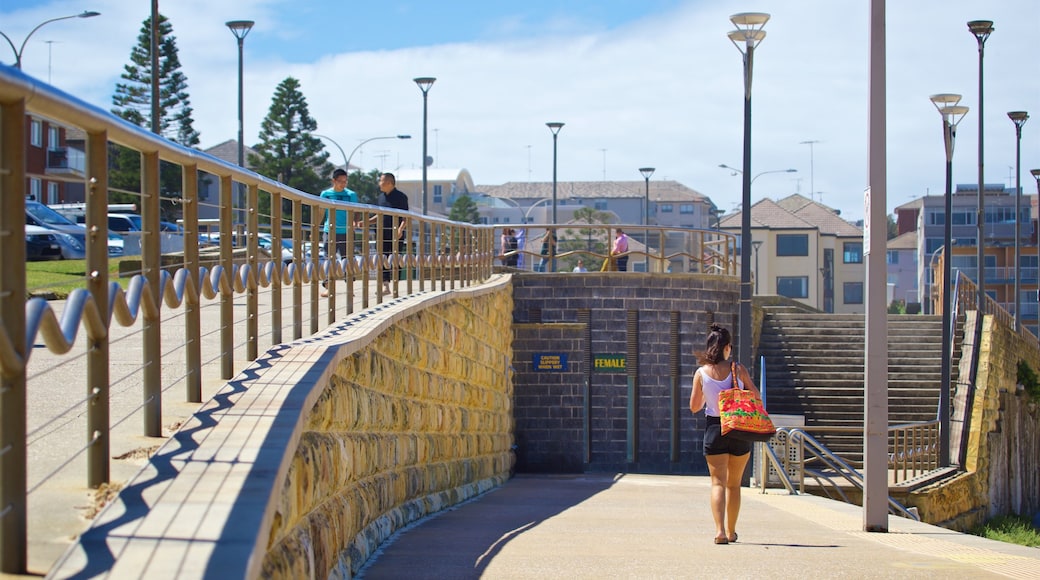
853	292
53	137
35	189
963	218
793	286
685	208
438	192
853	253
892	257
601	206
936	217
52	193
665	208
792	245
36	133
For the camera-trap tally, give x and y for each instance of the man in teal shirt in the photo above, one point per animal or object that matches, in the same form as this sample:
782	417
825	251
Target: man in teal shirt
336	241
338	192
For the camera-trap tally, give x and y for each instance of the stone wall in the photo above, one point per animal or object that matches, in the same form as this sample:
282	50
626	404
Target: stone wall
419	420
584	315
1002	466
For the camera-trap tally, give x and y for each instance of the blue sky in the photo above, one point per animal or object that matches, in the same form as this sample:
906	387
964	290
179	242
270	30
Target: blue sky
649	83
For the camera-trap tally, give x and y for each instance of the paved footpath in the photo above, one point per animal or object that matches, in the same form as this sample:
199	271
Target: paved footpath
650	526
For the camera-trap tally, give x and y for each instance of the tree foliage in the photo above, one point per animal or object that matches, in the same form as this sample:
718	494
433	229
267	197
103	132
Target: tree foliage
365	185
588	240
464	210
132	101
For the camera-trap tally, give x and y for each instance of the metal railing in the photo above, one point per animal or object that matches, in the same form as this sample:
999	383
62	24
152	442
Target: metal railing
213	294
806	457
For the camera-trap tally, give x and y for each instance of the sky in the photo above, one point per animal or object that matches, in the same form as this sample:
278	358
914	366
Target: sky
650	83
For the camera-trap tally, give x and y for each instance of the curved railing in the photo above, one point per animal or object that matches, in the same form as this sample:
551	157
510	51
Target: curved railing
196	314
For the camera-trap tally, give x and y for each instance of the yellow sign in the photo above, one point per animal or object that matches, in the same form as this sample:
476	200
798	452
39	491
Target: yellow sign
609	363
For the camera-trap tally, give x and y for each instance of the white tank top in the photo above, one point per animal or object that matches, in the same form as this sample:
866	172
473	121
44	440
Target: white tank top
711	388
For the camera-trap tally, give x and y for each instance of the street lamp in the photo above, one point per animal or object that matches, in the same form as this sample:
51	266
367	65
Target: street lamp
359	145
555	128
738	172
18	51
746	37
1019	118
240	28
1036	175
952	113
647	172
424	84
981	29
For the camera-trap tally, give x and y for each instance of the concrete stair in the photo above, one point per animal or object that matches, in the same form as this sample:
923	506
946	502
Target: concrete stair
814	368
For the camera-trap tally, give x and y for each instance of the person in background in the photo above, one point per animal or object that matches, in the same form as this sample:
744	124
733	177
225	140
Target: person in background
336	236
548	249
620	250
580	267
726	457
391	198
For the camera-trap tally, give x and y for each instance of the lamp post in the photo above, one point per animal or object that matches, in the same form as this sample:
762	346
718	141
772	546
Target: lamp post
424	84
1036	175
981	29
18	51
1019	118
555	128
951	113
240	28
347	158
647	172
746	37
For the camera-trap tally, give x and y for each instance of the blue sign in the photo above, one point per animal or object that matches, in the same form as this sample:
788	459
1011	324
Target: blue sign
550	361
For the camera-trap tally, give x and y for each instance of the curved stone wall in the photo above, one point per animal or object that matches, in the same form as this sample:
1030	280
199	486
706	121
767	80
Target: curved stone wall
417	421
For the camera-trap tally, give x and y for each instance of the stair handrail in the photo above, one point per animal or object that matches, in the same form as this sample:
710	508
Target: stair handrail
798	436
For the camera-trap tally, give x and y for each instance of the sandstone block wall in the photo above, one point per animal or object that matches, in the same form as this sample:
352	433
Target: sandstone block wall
419	420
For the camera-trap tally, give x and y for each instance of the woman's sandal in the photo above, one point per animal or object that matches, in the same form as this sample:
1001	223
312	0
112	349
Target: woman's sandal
733	539
720	541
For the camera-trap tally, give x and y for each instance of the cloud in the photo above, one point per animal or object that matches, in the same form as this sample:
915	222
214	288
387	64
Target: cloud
664	90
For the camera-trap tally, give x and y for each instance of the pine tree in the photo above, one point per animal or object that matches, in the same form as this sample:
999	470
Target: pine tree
133	98
132	101
288	151
464	210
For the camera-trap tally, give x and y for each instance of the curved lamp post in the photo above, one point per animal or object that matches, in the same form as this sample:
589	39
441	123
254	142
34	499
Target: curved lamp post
555	127
1019	118
359	145
647	172
746	37
424	84
18	51
952	113
1036	175
738	172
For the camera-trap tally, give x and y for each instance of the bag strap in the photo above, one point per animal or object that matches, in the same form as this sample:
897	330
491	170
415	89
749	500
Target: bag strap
733	375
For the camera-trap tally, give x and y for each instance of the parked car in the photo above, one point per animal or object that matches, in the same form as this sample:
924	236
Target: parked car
74	248
266	242
42	244
125	222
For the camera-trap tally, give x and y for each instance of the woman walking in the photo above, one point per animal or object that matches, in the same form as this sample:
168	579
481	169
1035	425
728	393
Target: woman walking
726	456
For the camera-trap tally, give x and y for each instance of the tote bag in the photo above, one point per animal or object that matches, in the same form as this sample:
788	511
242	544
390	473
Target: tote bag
742	414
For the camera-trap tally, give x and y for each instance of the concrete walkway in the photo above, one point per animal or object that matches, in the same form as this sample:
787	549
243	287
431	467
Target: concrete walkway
648	526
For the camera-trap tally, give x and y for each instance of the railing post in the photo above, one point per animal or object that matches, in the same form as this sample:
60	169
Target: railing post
227	304
252	249
151	265
278	280
192	312
298	259
97	284
316	264
13	513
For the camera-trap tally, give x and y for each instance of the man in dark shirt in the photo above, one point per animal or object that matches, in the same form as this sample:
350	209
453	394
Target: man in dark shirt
391	198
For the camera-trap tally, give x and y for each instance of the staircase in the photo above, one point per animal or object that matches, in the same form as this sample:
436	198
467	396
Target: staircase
814	368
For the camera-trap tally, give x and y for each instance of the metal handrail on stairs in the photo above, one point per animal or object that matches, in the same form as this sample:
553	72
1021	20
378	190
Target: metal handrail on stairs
803	442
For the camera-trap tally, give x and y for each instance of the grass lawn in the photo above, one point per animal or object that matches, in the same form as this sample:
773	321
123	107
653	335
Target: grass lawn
55	279
1012	529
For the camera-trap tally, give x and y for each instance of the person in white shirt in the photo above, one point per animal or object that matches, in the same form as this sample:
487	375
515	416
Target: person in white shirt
580	267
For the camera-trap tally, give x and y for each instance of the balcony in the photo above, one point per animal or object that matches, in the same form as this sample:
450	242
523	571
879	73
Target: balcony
66	161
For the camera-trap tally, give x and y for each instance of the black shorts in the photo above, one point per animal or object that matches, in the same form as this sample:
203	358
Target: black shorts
717	444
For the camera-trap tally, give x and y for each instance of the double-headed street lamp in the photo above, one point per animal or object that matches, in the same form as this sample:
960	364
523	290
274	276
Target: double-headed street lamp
746	37
738	171
952	113
347	158
647	172
555	127
18	51
424	84
1019	118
